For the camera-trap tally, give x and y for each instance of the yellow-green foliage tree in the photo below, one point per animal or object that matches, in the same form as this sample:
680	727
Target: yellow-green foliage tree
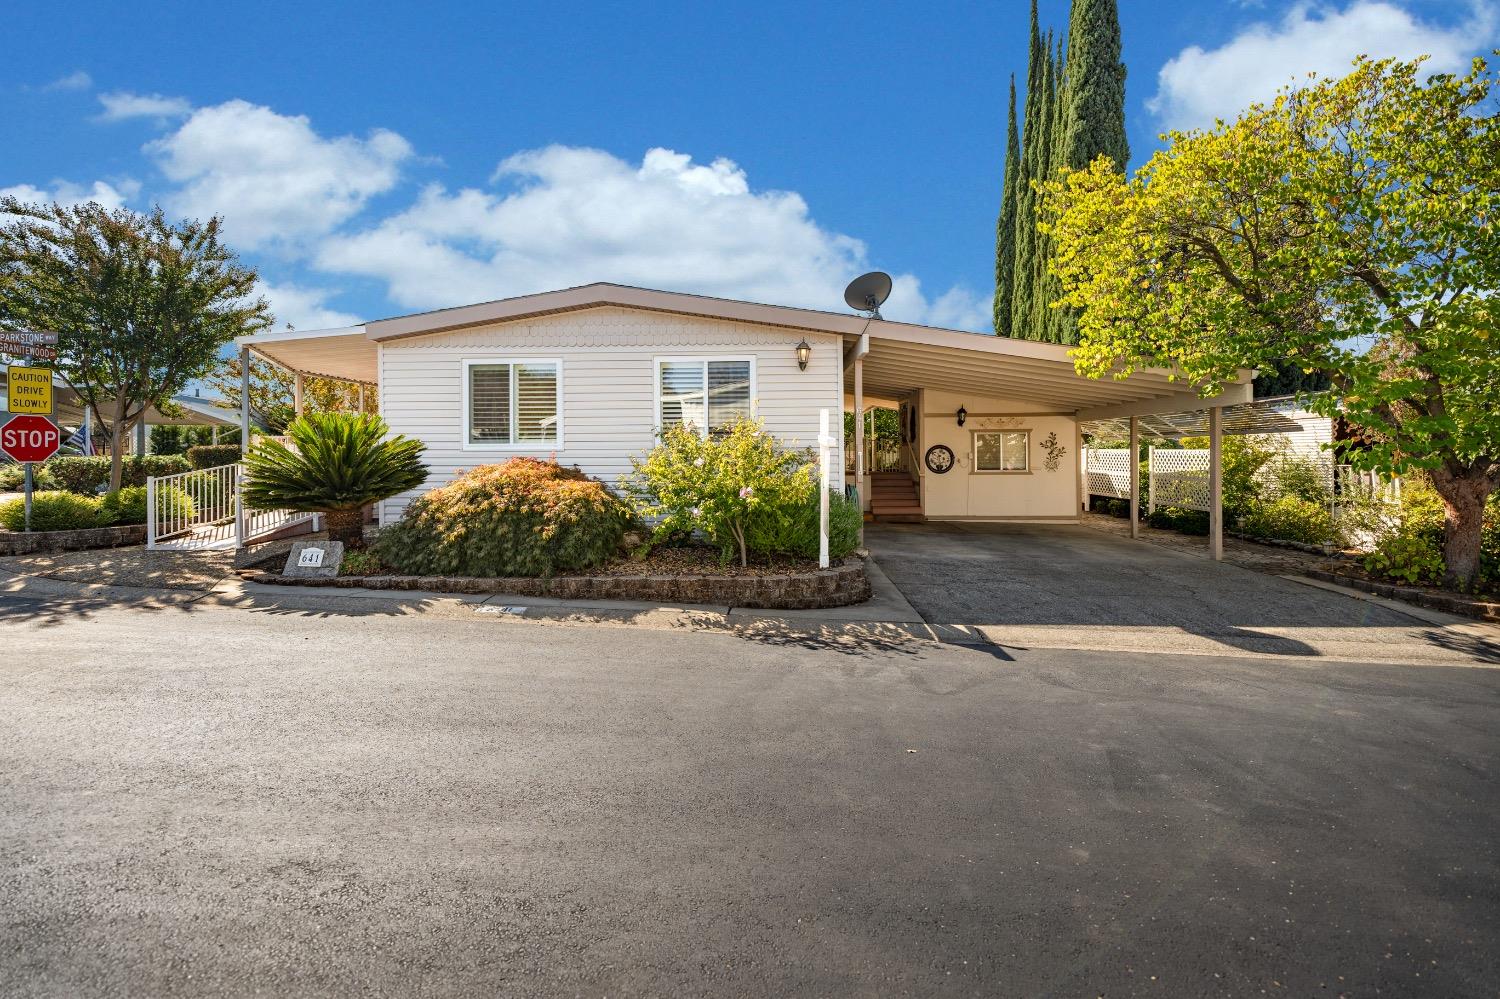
1350	227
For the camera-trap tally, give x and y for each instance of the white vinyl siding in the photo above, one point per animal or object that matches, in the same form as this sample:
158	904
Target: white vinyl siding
1004	451
607	386
511	403
707	394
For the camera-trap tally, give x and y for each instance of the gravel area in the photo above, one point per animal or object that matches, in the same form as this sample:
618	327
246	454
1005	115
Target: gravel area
134	566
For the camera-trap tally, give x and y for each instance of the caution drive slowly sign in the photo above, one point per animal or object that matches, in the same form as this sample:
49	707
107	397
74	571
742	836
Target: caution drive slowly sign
30	389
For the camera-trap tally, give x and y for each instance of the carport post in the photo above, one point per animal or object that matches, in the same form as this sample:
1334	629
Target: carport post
297	394
1135	478
860	350
361	397
244	400
1216	483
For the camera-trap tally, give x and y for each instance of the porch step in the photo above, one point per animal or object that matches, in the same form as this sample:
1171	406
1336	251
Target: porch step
894	498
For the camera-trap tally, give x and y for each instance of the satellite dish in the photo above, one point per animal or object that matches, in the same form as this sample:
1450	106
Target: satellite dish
868	292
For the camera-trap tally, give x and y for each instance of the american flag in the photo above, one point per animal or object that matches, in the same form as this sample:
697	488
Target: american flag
82	440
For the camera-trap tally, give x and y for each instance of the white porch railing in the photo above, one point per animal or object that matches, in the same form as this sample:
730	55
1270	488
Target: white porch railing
204	510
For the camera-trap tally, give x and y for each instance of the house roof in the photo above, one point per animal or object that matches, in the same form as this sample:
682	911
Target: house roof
902	357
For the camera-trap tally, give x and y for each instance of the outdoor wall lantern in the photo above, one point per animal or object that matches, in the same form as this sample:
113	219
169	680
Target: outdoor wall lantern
804	353
963	414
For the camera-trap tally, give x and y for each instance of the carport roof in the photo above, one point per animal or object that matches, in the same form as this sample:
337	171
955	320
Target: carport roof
902	358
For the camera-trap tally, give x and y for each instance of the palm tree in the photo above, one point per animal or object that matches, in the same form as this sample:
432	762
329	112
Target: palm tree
338	464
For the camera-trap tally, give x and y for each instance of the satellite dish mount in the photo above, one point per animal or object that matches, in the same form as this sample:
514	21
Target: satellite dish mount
868	292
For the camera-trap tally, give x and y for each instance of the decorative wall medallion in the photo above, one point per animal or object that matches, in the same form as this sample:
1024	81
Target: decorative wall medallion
1054	451
939	458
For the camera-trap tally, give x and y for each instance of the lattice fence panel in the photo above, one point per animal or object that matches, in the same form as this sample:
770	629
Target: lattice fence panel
1179	477
1109	472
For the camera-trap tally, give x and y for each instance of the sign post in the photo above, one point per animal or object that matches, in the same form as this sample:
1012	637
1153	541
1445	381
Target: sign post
28	434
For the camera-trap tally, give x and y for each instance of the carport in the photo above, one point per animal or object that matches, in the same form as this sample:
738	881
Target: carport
992	427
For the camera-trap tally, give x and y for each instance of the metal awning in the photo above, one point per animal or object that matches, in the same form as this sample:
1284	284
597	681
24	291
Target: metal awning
345	354
1282	414
904	358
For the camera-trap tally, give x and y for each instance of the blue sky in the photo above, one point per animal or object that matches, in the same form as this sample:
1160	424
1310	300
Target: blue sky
378	158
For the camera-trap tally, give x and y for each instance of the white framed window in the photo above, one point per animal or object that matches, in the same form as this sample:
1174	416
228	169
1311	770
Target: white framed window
512	403
1002	450
710	393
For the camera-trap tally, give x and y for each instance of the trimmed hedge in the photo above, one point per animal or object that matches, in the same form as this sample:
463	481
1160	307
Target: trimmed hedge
51	511
523	518
213	455
128	505
13	478
88	476
797	534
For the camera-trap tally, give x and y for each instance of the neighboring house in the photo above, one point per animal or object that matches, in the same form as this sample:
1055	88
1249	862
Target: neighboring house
590	375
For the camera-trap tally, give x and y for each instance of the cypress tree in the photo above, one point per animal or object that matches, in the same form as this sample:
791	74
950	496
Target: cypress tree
1025	228
1005	229
1056	324
1035	325
1094	105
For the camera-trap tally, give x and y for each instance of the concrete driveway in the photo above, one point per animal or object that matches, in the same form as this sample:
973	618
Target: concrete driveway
1075	587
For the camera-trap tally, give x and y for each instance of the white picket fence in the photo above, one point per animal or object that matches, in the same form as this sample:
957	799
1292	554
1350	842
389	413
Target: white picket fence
204	510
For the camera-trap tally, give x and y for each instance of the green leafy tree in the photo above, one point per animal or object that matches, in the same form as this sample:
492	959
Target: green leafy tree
1351	227
142	305
272	396
1005	229
337	464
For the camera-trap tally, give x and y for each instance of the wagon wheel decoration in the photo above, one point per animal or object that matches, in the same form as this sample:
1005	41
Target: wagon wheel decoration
939	458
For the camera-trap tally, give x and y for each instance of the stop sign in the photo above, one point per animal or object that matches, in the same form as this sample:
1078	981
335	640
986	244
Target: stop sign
30	438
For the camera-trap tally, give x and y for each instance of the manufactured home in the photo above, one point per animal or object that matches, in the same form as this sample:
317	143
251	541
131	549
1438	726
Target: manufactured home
590	375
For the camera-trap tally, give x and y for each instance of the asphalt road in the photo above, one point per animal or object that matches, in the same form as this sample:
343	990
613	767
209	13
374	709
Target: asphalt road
221	802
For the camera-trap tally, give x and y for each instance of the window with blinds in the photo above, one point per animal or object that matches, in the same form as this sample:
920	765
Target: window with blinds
1002	452
710	395
513	403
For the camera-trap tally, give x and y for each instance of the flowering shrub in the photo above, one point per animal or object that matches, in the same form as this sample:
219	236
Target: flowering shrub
522	518
740	489
1407	555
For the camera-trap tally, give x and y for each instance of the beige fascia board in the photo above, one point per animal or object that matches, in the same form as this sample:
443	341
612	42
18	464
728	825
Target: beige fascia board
1232	395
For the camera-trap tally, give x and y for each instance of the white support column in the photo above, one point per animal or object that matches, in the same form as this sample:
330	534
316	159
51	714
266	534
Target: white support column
1216	483
361	397
1150	481
859	438
825	471
244	400
1135	478
297	394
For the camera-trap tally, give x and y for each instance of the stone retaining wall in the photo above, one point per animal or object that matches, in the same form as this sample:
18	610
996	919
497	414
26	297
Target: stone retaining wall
835	587
40	542
1450	603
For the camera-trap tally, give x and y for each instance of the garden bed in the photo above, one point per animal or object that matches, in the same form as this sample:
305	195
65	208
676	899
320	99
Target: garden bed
34	542
668	576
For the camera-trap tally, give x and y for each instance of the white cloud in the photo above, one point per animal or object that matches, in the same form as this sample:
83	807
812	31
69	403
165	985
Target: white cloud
78	80
272	177
303	308
1198	85
122	106
581	215
65	193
